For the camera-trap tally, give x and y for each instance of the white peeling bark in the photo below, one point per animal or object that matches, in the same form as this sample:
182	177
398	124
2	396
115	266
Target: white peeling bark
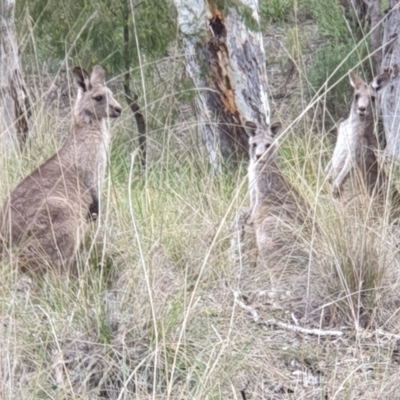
14	103
226	62
191	18
247	66
391	96
376	34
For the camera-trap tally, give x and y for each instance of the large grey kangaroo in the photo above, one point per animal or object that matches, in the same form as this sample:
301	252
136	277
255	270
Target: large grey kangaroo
276	207
357	144
49	212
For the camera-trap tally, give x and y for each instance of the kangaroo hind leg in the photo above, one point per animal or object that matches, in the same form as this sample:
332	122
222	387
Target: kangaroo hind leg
52	238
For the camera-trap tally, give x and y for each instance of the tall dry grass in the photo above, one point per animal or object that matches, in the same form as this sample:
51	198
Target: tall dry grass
156	309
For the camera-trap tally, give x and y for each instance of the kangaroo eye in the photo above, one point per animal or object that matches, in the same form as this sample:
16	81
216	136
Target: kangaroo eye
98	98
373	99
357	96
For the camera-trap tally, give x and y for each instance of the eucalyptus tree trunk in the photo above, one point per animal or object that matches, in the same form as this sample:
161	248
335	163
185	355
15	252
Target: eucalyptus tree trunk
376	34
131	98
357	9
360	8
14	102
391	95
226	61
367	12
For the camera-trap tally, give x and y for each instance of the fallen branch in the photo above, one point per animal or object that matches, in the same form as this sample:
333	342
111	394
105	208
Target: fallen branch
299	329
379	332
251	310
283	325
387	334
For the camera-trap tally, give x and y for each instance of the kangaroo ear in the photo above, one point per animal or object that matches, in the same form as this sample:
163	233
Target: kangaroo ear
380	81
98	76
355	80
275	129
251	128
81	78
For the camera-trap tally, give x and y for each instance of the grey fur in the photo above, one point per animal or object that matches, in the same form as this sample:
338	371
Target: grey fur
48	213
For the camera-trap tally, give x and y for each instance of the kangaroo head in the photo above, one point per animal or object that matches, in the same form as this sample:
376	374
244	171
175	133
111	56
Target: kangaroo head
365	95
94	101
262	142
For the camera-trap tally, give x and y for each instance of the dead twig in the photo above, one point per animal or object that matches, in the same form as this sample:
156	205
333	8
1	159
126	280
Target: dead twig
282	325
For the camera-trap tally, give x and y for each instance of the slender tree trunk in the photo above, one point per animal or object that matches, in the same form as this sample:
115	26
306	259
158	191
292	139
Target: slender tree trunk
226	62
391	95
360	8
140	122
367	12
130	98
376	35
14	102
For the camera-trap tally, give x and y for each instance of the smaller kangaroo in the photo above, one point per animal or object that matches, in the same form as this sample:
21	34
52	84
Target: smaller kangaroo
48	213
276	207
357	143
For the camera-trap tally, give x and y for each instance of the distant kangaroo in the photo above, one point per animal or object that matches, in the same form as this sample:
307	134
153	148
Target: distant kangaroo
48	213
276	207
357	143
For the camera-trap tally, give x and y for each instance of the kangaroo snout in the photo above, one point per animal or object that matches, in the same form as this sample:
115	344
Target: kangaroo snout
362	111
116	111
